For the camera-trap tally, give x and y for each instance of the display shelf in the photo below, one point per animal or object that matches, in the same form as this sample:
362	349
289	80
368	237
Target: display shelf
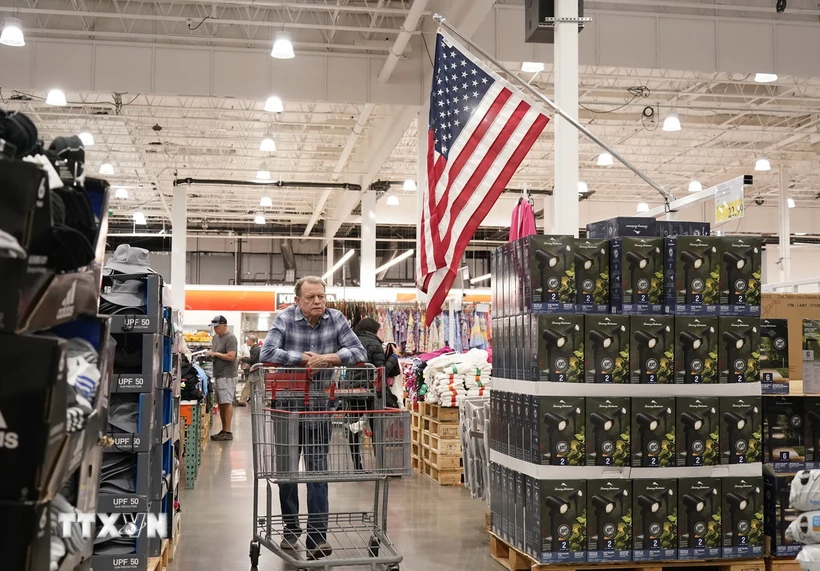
547	388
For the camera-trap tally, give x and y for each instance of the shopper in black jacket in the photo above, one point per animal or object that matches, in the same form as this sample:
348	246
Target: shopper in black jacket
247	362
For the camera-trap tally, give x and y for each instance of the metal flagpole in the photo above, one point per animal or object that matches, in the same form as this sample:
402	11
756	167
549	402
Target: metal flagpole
667	196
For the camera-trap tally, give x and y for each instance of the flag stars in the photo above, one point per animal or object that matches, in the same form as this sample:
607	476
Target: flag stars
483	80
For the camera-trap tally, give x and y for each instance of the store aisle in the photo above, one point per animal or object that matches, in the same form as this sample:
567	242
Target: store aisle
434	527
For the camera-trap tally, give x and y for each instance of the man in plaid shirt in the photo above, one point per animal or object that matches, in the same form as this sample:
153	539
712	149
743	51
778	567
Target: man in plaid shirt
308	334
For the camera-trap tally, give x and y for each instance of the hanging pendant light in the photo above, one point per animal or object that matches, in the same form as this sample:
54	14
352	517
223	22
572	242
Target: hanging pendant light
763	164
695	186
107	168
87	139
121	193
55	97
266	202
605	160
274	105
282	46
267	145
643	207
12	34
671	123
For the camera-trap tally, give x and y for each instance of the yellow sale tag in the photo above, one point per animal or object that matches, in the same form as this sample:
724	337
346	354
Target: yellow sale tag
728	210
729	200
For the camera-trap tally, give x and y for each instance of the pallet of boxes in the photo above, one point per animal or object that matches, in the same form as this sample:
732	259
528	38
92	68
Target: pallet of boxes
626	412
449	380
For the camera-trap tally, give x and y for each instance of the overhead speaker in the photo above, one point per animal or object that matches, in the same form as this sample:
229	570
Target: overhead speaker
537	29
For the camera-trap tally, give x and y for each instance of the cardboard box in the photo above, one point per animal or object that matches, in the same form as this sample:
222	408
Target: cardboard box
811	431
698	431
520	508
607	431
793	307
696	350
592	275
636	276
742	517
778	513
740	275
559	348
559	431
682	228
606	348
560	520
551	273
740	430
692	275
774	356
623	226
151	319
739	349
137	363
652	349
655	520
495	497
609	520
811	356
784	431
653	432
700	533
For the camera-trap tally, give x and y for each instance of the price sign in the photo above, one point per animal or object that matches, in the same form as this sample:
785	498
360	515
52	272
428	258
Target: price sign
729	200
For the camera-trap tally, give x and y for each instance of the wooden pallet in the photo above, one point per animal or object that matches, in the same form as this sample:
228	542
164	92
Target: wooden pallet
160	563
515	560
415	435
415	449
172	552
445	446
488	521
782	564
416	463
425	454
440	413
446	477
444	462
445	429
415	420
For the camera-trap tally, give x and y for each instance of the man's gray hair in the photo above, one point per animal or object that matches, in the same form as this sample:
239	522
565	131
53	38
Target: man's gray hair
310	280
252	337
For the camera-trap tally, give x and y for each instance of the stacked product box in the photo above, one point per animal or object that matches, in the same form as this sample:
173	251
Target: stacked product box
139	469
628	472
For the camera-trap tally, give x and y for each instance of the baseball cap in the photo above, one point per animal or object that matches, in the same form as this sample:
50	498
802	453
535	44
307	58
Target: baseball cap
219	320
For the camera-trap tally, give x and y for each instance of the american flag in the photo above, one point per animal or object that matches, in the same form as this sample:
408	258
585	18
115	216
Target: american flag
481	128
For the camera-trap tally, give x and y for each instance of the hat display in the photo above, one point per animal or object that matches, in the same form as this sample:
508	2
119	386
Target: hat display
219	320
128	260
124	295
124	416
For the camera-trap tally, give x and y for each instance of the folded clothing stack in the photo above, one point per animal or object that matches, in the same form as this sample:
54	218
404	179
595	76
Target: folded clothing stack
452	378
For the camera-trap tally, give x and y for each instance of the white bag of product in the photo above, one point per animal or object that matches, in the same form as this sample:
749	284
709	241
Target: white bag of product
805	492
809	558
805	528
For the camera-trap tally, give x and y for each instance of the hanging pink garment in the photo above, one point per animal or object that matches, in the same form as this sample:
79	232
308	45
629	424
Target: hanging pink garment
526	219
514	222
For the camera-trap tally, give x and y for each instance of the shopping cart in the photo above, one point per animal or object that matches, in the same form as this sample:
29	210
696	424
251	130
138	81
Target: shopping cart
326	425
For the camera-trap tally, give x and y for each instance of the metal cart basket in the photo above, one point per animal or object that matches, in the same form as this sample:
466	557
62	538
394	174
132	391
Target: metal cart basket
316	426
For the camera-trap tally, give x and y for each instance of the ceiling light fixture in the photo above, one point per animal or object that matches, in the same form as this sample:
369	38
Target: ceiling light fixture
763	164
267	145
55	97
790	202
121	193
400	258
263	174
800	233
409	185
107	168
12	34
478	279
583	188
339	264
643	207
605	160
139	218
259	219
266	202
282	46
392	200
532	67
671	123
765	77
274	105
87	138
695	186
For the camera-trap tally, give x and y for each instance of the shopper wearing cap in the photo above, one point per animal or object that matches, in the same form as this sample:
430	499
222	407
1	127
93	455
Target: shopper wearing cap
308	334
223	350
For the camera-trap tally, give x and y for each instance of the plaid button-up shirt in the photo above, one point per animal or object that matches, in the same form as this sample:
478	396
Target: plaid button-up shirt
291	335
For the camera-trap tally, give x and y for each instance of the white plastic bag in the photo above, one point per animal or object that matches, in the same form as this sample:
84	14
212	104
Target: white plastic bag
805	492
805	528
809	558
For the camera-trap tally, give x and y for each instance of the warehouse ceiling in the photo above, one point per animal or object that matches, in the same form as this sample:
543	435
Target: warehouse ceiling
728	120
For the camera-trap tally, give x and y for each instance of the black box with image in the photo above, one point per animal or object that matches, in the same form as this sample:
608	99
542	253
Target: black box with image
778	513
550	265
607	431
698	431
742	516
609	520
560	520
558	348
692	280
700	534
653	432
592	275
811	431
696	350
740	275
774	356
740	430
559	434
654	520
652	349
784	431
606	348
636	276
739	350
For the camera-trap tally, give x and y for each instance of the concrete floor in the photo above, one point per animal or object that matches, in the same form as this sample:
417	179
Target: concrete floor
434	527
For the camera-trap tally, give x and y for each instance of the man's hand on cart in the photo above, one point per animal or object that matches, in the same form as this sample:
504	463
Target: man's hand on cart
317	361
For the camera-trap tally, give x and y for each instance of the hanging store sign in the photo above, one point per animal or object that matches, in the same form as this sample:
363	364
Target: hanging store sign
729	200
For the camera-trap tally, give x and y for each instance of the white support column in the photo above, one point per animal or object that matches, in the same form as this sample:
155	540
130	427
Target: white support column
179	246
421	179
331	253
368	251
564	203
785	231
